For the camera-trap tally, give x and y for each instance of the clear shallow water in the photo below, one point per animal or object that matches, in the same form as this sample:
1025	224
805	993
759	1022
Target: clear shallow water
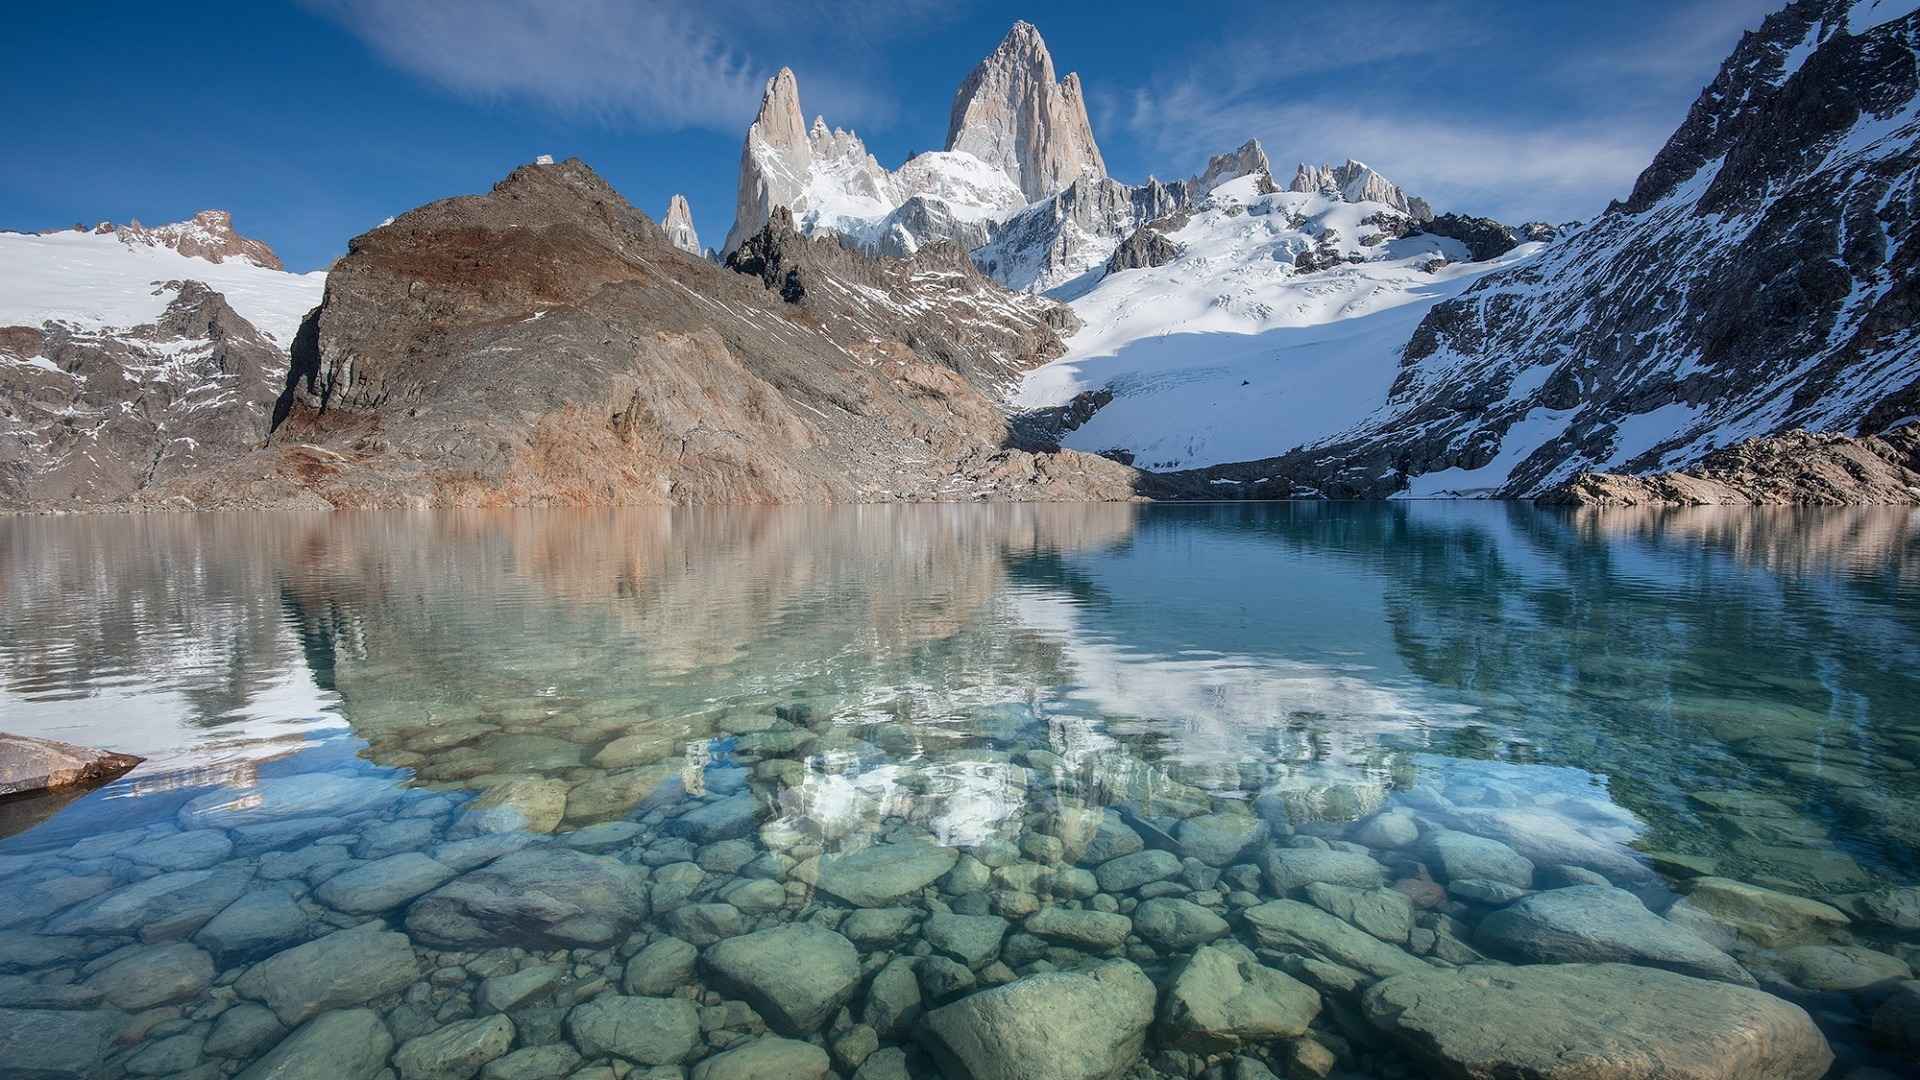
708	701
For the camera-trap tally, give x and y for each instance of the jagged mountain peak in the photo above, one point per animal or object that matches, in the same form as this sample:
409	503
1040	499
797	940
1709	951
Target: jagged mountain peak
208	235
1356	181
1250	159
679	225
780	121
1010	113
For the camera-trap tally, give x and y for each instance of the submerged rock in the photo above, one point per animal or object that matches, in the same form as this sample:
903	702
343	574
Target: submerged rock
454	1052
795	976
771	1058
1290	869
1716	907
348	1045
384	884
1223	997
1087	1025
347	967
884	874
1290	926
1596	923
57	1045
155	975
539	897
1595	1022
651	1031
162	908
275	798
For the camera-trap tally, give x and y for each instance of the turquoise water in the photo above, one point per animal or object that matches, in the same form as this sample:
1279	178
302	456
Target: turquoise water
683	727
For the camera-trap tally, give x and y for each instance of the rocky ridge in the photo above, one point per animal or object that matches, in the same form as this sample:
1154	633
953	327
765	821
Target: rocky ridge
96	417
208	235
1755	282
1797	468
546	343
1354	181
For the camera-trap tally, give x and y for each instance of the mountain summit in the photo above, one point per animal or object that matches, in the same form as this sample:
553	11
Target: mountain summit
208	235
1011	114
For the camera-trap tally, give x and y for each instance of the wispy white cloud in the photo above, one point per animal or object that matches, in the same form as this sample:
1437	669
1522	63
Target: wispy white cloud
1515	171
654	64
1328	85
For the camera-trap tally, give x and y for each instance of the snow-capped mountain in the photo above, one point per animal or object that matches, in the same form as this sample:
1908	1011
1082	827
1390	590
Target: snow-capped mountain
1354	182
133	355
1015	135
1074	232
1758	279
207	235
1279	316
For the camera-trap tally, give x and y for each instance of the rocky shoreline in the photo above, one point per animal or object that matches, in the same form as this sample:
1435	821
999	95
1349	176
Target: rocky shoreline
1798	468
656	918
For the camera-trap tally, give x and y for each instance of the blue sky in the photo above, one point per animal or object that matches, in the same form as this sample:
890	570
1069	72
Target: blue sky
314	120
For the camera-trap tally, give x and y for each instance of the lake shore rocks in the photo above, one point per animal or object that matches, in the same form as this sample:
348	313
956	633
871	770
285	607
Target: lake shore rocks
1596	1022
535	897
1596	923
29	765
883	874
345	968
795	976
1087	1025
702	931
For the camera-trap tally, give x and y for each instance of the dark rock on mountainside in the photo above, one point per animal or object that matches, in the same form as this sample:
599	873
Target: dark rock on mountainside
1760	279
1485	238
546	343
1796	468
96	418
1145	247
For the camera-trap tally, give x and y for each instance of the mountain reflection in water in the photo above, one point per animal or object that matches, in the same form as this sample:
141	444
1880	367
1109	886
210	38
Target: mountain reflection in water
397	759
1155	652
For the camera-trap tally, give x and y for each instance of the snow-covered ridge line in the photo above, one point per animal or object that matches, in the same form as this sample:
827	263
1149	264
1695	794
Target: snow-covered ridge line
96	281
1280	321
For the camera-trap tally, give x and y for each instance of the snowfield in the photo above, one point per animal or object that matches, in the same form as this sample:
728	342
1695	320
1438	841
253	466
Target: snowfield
96	282
1229	353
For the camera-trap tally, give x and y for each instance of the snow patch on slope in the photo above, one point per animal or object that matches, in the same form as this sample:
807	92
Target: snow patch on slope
1230	353
93	281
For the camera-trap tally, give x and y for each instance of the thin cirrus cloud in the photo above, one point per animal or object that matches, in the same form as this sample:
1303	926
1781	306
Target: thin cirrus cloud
653	66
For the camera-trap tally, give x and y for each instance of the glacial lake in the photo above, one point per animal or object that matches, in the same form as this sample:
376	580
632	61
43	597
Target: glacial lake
491	794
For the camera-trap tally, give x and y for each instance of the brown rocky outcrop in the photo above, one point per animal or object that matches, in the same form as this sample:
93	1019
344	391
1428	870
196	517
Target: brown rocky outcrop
29	765
546	344
1797	468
